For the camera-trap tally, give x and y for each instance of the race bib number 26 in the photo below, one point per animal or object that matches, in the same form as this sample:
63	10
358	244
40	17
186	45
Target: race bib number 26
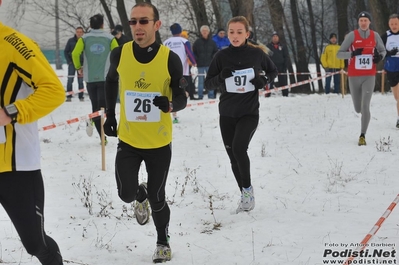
139	107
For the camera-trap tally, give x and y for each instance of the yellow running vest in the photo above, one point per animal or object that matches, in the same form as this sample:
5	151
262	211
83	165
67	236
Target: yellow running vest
143	125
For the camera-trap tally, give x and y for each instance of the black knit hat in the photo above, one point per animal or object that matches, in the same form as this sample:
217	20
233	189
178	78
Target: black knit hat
333	35
364	14
117	29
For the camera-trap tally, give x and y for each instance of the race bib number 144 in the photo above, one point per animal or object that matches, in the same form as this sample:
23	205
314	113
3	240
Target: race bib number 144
364	62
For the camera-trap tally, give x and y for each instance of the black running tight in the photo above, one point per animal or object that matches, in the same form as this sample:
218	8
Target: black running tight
22	196
237	134
157	162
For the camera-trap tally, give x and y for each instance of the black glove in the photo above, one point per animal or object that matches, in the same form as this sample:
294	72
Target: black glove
377	56
110	124
162	103
357	52
259	81
226	73
392	52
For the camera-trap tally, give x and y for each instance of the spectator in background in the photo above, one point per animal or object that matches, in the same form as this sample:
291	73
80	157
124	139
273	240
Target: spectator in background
96	47
182	48
221	39
121	38
70	45
279	56
204	49
30	90
391	41
332	64
192	69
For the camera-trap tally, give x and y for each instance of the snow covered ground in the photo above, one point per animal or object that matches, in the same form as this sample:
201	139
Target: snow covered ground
315	188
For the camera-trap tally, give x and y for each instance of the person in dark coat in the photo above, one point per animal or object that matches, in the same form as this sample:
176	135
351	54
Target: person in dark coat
121	38
279	56
70	45
204	49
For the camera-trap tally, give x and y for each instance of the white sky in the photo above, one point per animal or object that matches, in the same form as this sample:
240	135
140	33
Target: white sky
313	186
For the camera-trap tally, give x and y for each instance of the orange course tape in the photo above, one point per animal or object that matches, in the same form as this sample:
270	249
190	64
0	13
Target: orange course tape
363	244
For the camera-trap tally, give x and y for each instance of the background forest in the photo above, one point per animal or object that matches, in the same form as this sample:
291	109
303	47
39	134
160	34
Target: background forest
303	25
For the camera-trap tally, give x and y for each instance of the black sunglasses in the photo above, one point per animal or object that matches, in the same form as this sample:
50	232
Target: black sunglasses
140	21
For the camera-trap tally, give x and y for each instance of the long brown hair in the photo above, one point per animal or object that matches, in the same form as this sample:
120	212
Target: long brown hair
244	21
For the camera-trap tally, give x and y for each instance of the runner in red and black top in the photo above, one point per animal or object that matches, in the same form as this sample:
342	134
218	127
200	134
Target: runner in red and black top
364	49
240	71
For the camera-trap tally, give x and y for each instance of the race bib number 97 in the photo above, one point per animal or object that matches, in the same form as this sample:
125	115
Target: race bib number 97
364	62
139	107
239	82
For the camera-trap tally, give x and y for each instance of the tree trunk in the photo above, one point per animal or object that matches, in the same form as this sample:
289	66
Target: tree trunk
107	13
302	62
120	7
342	18
58	61
360	6
278	20
243	8
200	13
217	13
380	15
314	44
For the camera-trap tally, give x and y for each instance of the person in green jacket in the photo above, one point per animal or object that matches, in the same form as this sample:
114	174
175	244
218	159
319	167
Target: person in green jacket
332	64
96	46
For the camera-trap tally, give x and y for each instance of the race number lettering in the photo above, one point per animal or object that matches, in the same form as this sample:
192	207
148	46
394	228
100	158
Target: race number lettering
239	82
139	107
364	62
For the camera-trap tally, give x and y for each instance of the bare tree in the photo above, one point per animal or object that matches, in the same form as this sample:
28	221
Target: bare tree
380	13
107	11
58	62
199	10
217	13
243	8
360	6
121	8
314	43
278	20
342	18
301	61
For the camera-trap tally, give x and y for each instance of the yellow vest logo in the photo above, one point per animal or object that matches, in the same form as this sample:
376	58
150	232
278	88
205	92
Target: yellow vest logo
141	84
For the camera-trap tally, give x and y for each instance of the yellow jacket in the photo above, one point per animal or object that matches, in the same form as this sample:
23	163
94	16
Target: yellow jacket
32	85
329	57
